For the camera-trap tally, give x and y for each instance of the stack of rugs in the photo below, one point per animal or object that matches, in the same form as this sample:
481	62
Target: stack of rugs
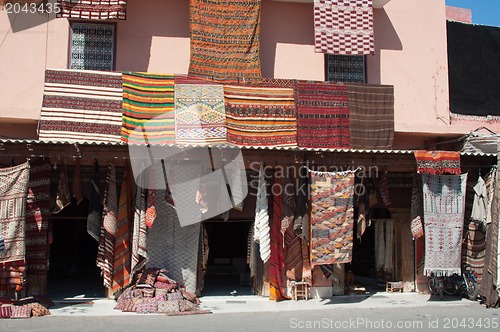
24	308
155	292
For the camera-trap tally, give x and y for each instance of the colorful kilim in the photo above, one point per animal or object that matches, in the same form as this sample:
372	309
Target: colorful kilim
148	108
122	251
322	115
200	116
438	162
260	116
474	248
277	260
81	106
225	39
332	217
106	249
344	27
93	9
444	208
371	116
13	191
186	79
37	217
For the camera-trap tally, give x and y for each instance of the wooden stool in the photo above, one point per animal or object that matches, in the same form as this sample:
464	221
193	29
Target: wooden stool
394	286
300	289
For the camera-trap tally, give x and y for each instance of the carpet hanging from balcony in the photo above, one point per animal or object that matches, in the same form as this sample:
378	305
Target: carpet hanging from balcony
371	116
225	39
260	116
93	9
148	108
344	27
322	115
332	217
37	217
81	106
444	208
200	116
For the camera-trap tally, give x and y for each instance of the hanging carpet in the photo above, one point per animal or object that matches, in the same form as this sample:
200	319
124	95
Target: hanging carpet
225	42
322	115
438	162
93	9
200	116
260	116
332	216
81	106
173	247
444	208
148	108
139	233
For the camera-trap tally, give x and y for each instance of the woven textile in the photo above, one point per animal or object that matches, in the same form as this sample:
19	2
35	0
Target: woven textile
416	212
173	247
139	235
186	79
262	230
277	260
260	116
81	106
122	250
225	42
371	116
444	208
473	248
200	116
344	27
332	217
148	108
93	9
13	191
322	115
12	275
95	205
438	162
106	249
63	197
37	217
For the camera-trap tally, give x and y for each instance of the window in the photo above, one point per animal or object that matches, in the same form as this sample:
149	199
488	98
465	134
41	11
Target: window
346	68
92	46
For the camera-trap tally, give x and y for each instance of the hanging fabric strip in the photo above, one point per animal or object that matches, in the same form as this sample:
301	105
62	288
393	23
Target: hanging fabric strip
63	198
77	182
262	229
95	205
139	236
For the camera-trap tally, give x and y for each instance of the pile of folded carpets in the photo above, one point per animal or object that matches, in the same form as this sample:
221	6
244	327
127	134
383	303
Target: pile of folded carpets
154	292
24	308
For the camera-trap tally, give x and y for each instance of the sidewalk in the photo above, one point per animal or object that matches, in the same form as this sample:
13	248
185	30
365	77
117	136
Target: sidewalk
239	304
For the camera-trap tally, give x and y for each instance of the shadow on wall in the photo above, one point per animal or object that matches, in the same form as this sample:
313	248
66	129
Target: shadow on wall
147	19
386	38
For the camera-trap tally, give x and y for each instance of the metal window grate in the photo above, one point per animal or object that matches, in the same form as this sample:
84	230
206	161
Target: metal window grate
92	46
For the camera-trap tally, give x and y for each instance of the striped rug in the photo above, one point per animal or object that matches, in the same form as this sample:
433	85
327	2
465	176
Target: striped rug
93	9
225	39
200	116
148	108
322	115
81	106
371	116
260	116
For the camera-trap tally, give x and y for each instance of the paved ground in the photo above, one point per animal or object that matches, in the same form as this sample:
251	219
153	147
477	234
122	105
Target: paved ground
399	312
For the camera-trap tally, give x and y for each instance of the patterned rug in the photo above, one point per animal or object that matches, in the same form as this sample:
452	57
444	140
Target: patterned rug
260	116
122	250
371	116
173	247
225	42
474	248
444	208
13	192
344	27
438	162
332	217
322	115
93	9
37	217
200	116
139	234
81	105
106	249
148	108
